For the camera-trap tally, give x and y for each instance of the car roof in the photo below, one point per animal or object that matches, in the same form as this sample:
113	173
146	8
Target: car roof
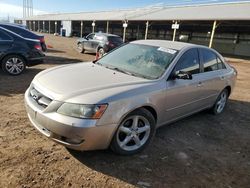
166	44
107	34
13	25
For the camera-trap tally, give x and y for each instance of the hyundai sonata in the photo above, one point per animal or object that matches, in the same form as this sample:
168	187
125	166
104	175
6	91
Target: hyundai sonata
119	100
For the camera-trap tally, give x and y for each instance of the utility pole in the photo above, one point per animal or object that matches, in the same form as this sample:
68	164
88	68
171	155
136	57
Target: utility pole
27	8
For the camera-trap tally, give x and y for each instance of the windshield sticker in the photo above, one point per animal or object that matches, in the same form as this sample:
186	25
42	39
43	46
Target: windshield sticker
170	51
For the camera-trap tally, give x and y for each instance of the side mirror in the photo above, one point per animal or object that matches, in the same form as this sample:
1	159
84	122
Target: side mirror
183	75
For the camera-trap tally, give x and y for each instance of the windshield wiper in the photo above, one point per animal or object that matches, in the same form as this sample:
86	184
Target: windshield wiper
118	69
129	73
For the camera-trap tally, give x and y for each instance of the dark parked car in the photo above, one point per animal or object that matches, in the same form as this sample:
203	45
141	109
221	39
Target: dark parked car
99	42
17	52
22	31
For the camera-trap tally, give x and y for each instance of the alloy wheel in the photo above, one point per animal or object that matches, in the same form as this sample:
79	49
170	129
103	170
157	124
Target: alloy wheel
14	65
133	133
221	103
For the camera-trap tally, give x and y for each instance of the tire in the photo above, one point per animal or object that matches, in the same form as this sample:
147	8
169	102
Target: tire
80	48
131	138
44	47
101	52
220	102
14	65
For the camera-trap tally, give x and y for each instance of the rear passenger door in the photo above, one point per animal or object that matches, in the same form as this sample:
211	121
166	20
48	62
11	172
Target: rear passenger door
98	39
213	71
6	42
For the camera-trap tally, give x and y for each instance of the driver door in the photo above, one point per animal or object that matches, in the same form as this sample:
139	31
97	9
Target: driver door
183	95
88	42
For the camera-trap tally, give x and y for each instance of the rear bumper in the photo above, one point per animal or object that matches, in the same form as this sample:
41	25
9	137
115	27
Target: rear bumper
35	59
74	133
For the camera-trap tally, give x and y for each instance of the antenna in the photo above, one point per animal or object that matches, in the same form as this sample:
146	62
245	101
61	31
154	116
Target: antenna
27	8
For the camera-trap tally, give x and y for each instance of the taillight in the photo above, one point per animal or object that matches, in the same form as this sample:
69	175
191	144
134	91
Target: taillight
42	40
38	47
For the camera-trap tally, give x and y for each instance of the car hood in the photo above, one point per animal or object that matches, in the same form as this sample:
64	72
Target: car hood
64	82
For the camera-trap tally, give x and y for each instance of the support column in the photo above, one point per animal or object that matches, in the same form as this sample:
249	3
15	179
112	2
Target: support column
107	28
55	26
125	25
174	31
34	25
146	32
38	26
81	29
212	34
93	26
43	26
49	27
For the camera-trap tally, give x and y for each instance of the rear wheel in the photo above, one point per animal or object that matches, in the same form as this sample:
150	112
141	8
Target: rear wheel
13	64
220	103
80	48
134	133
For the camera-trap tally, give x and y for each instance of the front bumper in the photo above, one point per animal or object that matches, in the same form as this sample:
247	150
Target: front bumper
74	133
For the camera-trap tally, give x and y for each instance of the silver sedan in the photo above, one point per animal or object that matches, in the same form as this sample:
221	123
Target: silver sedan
120	100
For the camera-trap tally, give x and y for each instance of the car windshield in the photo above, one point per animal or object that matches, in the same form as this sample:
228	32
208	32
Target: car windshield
139	60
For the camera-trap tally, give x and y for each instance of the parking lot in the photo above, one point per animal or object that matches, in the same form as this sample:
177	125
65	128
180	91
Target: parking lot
200	151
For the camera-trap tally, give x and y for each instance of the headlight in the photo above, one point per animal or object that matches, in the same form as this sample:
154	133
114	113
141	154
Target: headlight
82	111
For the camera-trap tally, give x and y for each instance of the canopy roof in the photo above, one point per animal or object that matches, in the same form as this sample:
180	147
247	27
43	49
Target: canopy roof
223	11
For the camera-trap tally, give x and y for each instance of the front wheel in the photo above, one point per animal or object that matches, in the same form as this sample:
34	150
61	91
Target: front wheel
13	64
220	103
134	133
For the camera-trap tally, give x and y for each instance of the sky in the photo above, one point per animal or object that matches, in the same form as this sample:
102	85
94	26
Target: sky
13	8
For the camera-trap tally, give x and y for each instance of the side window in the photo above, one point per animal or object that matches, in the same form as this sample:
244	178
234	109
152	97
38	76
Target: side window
90	36
211	61
221	65
99	37
4	36
189	62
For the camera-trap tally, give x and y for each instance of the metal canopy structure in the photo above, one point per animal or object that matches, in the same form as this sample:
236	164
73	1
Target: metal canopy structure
226	11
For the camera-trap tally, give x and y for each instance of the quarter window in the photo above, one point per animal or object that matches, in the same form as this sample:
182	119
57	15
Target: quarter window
189	62
211	62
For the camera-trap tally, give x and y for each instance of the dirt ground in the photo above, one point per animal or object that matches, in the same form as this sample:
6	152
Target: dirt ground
199	151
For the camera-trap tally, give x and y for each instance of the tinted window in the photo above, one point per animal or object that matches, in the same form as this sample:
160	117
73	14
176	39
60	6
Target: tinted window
90	36
20	31
115	39
189	62
4	36
211	61
221	65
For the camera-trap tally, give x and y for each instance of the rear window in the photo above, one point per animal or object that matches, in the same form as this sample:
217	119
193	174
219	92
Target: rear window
211	62
21	31
115	39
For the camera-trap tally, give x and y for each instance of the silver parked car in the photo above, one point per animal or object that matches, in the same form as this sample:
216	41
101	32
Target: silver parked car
119	100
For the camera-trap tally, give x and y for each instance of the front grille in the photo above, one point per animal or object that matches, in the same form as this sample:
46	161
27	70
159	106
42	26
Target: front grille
39	98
